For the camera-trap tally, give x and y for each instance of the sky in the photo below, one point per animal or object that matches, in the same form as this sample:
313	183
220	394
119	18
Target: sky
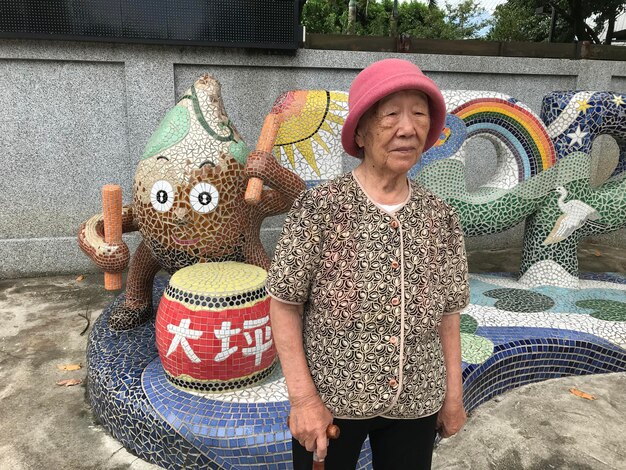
488	5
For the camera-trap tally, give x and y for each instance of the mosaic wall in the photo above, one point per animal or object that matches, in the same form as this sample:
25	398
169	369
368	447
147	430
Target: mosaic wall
198	387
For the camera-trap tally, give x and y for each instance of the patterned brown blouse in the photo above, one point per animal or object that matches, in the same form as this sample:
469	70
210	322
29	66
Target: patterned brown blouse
374	287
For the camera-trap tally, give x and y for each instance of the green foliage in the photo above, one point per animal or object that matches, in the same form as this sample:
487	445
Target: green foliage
325	17
419	21
416	19
605	11
516	20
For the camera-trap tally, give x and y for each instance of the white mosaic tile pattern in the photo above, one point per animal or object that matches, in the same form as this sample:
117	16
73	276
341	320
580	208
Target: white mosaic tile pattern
512	283
612	331
273	389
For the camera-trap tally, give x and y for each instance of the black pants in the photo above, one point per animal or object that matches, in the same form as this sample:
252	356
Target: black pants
397	444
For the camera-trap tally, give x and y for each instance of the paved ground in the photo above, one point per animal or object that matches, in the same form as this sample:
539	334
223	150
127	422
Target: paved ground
46	426
544	426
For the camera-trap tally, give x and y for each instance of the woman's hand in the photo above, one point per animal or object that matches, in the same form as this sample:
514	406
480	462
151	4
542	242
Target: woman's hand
308	422
451	418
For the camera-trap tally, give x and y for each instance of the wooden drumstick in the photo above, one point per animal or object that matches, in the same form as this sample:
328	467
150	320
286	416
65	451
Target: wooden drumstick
112	215
265	144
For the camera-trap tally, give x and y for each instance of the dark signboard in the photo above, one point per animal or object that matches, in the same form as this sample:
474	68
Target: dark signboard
268	24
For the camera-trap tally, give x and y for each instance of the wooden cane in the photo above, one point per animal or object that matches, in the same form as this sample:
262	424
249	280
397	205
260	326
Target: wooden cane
332	432
265	144
112	215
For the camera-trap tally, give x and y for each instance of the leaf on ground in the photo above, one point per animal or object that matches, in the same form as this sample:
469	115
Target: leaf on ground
69	382
597	253
581	394
69	366
80	278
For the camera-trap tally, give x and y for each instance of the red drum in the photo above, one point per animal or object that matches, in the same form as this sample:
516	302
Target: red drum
213	328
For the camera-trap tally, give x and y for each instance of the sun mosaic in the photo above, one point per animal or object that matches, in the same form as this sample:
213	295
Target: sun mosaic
308	140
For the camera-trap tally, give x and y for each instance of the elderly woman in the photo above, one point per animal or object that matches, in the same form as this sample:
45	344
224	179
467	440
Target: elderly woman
367	283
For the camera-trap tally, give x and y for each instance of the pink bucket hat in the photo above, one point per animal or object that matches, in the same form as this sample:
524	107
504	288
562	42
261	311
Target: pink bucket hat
384	78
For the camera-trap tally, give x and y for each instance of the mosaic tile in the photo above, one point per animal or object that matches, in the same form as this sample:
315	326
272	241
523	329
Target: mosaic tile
520	300
475	349
542	174
603	309
212	327
188	199
468	324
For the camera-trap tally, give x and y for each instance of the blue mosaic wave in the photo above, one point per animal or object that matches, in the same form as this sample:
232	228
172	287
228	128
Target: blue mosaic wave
525	361
244	434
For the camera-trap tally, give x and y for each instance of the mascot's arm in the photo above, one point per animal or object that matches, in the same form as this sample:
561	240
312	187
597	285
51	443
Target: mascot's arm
111	257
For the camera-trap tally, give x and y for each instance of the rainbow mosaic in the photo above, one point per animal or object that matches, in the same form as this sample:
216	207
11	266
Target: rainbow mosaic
189	207
542	174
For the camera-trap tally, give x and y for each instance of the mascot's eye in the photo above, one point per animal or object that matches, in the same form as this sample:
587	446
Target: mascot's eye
162	196
204	197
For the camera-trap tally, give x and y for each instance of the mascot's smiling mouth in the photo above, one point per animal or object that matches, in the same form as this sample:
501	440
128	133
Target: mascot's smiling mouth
192	241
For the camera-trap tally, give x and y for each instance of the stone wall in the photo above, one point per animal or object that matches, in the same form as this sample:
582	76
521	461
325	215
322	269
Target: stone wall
76	116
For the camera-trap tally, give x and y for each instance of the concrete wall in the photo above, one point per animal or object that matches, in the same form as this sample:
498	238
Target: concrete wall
76	116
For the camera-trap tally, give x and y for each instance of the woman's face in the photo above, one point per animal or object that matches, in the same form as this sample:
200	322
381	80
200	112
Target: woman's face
393	132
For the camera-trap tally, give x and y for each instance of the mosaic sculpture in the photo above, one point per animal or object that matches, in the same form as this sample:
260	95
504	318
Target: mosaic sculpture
211	333
168	392
188	201
575	209
542	175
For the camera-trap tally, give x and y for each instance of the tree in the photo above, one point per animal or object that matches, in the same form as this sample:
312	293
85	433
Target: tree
577	15
420	21
606	13
516	20
467	19
323	16
575	12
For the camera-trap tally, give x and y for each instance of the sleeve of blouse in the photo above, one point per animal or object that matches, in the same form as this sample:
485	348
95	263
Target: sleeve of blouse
455	277
297	253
